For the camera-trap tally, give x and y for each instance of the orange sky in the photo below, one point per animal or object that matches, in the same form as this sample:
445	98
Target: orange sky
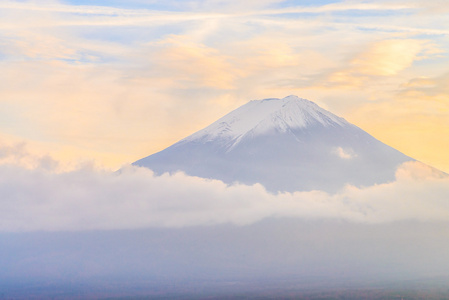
82	81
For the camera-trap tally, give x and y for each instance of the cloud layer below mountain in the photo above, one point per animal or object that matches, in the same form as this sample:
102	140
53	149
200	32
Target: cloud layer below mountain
88	199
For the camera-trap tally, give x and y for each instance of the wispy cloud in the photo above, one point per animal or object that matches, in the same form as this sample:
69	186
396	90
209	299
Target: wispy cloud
256	7
382	58
90	15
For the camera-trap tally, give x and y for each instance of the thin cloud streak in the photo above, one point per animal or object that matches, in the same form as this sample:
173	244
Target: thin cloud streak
108	10
145	17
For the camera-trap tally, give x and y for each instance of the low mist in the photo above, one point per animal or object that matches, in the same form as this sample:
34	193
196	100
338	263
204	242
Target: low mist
88	199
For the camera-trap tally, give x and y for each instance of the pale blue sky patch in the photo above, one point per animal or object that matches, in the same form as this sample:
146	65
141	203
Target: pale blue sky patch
378	13
307	2
130	4
128	35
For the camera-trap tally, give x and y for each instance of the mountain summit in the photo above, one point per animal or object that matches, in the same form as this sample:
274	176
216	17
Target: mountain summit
259	117
288	144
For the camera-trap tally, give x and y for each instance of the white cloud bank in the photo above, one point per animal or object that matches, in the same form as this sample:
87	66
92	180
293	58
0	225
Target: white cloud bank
87	199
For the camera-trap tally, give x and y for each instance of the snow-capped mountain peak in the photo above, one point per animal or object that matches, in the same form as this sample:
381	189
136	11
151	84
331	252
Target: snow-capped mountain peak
288	144
261	116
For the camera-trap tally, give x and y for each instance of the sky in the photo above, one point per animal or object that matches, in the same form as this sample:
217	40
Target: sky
110	82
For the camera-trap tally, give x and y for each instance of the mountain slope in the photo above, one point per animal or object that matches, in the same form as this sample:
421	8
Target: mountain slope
288	144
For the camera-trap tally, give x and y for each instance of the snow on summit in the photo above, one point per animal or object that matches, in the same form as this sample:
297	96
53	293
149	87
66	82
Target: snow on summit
261	116
289	144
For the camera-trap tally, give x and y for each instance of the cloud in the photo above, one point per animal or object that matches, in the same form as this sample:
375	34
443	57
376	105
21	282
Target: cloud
252	7
431	7
17	154
388	57
191	64
344	153
88	199
385	58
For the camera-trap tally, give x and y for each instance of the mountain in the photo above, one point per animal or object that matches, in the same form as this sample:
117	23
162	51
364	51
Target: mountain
288	144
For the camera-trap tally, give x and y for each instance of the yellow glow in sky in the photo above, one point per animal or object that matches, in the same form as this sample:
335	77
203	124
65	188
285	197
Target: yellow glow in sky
87	81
